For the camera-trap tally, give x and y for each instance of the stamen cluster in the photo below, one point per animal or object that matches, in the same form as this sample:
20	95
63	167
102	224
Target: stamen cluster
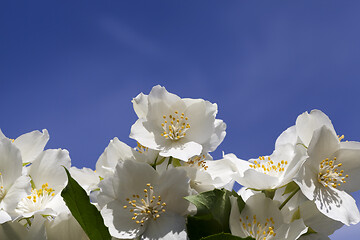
199	161
38	199
175	126
329	174
252	227
148	207
268	166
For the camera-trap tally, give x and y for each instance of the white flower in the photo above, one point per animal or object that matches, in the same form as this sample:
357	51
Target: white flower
262	220
16	231
180	128
48	179
138	201
331	170
118	151
316	220
87	178
206	174
30	144
64	226
13	186
268	172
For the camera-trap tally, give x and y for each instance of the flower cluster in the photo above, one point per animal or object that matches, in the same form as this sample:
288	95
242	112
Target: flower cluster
169	187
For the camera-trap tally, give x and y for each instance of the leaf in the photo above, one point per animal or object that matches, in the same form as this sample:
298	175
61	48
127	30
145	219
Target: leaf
83	211
216	203
290	187
199	227
213	211
225	236
296	215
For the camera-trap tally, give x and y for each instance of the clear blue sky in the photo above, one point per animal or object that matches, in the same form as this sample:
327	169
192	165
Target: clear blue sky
73	67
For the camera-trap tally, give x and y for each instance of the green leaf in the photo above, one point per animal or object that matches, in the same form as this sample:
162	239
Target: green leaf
213	211
83	211
200	227
176	162
270	193
290	187
296	215
225	236
216	203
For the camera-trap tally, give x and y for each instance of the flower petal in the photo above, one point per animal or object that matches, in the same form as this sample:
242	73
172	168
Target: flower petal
291	231
307	123
182	151
48	167
337	205
323	144
32	144
169	226
10	163
116	151
140	105
119	222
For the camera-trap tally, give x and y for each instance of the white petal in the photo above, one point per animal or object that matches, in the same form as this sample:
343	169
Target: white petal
86	177
140	105
257	180
32	144
234	223
130	178
323	144
168	226
147	137
287	137
174	187
20	189
349	156
4	217
217	137
200	181
159	96
221	171
10	163
263	208
116	151
201	116
37	229
337	205
307	123
182	151
48	167
291	231
119	221
2	136
316	220
307	180
64	226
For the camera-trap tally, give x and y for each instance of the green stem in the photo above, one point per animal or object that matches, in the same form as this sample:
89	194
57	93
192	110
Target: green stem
288	199
154	165
169	162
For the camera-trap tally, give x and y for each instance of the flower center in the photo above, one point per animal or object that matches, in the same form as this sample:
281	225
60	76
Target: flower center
329	174
37	200
148	207
253	228
175	126
268	166
197	161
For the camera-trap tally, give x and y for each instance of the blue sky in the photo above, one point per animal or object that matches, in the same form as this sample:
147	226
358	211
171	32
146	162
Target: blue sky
73	68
